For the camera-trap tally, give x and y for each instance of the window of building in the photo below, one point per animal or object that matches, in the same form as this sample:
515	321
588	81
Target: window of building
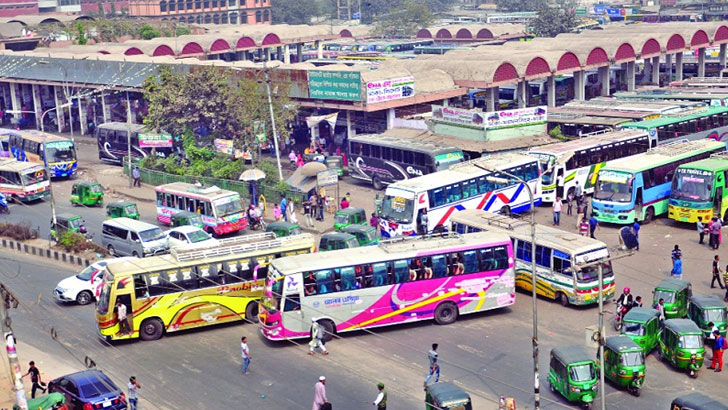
162	6
233	18
258	16
266	15
224	18
214	3
223	3
198	5
181	5
208	19
216	19
172	6
190	5
206	4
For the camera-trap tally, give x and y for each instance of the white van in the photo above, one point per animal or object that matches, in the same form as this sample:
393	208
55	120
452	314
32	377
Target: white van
128	237
84	287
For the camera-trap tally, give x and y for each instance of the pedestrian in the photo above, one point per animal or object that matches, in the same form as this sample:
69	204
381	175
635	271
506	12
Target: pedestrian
277	215
593	225
137	176
711	336
299	161
676	256
319	394
423	222
557	210
307	212
716	273
714	229
317	338
292	158
637	302
381	401
569	202
661	309
583	227
718	347
725	281
321	205
284	208
677	269
245	351
344	203
636	231
291	210
702	229
121	317
133	386
35	379
374	221
434	365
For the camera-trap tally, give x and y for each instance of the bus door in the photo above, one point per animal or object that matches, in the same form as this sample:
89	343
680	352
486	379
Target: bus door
291	312
422	202
718	205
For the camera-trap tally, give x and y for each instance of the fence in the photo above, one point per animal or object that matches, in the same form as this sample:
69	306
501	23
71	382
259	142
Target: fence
154	178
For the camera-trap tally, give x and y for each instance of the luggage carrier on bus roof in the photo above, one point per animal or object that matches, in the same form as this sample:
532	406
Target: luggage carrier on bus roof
679	147
388	245
720	155
238	244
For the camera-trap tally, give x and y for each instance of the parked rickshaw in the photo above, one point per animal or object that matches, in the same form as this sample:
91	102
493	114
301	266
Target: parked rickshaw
624	363
337	240
705	309
643	326
335	162
681	345
65	223
697	401
676	293
365	234
87	193
572	373
186	218
349	216
283	228
445	396
121	209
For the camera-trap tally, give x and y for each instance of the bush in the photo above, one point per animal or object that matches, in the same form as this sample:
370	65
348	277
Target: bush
76	243
18	232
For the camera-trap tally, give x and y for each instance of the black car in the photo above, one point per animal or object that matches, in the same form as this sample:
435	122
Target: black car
89	390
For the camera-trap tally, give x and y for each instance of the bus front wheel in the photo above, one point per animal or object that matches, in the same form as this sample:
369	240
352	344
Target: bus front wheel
151	329
328	328
251	312
649	215
446	313
563	299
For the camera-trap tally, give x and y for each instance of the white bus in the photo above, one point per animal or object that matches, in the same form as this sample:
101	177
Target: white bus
24	181
463	186
572	166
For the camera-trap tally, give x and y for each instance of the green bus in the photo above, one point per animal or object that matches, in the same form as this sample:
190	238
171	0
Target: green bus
699	189
691	124
639	186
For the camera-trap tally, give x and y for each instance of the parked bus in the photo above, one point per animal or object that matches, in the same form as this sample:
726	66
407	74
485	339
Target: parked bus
639	186
397	281
463	186
707	122
700	189
222	211
556	252
191	288
113	142
572	166
29	145
23	181
382	159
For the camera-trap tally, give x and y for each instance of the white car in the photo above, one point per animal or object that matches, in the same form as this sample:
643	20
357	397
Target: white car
190	237
84	288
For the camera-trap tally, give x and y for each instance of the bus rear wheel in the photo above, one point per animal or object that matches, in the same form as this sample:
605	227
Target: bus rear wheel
563	299
151	329
377	184
251	312
446	313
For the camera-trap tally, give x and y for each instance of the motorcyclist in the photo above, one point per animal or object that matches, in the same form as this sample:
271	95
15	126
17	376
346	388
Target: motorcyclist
625	300
637	302
252	216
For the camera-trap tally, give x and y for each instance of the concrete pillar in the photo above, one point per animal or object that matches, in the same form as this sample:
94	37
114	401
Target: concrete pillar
604	80
37	105
266	54
701	62
679	67
630	76
579	86
60	115
17	106
668	67
287	54
390	118
551	91
6	97
279	53
350	131
721	55
105	109
491	99
82	117
299	53
655	70
320	49
646	70
521	95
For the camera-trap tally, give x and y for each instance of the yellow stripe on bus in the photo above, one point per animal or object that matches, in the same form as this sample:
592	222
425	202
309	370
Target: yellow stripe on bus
481	301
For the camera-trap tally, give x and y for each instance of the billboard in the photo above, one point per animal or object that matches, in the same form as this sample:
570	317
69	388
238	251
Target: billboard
334	85
460	116
387	90
520	117
155	140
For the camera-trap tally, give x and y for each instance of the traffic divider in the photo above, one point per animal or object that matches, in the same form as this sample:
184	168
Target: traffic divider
47	253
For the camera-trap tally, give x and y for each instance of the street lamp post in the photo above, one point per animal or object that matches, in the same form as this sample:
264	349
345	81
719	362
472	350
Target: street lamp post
534	294
272	120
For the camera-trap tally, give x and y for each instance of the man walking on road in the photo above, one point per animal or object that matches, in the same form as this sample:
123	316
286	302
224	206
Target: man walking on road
718	346
636	229
716	272
35	379
319	394
246	354
137	177
381	401
557	210
434	366
593	225
133	395
317	338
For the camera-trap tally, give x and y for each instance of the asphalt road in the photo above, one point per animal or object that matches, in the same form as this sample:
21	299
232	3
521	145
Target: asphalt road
487	354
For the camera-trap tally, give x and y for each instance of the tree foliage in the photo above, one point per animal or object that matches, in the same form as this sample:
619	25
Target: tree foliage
404	22
148	32
555	19
371	10
518	5
294	11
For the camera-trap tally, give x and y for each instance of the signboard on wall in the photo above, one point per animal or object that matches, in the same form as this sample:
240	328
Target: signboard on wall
387	90
515	118
155	140
334	85
460	116
224	146
327	177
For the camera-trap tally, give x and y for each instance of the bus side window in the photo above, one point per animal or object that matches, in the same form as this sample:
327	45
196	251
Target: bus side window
156	287
188	278
501	257
293	302
366	150
523	251
453	193
408	157
456	264
439	266
174	281
207	274
487	260
543	256
140	286
208	209
324	281
437	197
309	283
380	274
160	198
348	279
470	262
363	274
561	264
401	271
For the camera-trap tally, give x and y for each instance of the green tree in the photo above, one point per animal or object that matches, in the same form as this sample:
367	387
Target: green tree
181	30
81	34
404	22
294	11
518	5
554	19
148	32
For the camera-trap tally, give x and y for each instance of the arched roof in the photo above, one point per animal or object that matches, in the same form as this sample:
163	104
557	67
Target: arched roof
470	31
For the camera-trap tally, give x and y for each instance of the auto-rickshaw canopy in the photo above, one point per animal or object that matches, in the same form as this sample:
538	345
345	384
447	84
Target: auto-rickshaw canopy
571	354
697	401
641	315
622	344
704	302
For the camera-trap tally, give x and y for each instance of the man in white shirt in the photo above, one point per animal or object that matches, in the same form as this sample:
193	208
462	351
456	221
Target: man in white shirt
557	210
246	354
381	401
121	317
133	386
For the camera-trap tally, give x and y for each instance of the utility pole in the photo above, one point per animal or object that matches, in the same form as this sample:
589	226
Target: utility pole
54	221
272	120
8	301
128	136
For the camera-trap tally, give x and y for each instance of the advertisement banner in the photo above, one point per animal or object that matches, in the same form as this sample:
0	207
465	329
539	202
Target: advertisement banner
460	116
334	85
515	118
224	146
327	177
387	90
155	140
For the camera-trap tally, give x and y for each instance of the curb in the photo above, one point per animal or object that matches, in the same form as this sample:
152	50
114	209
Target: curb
45	253
114	189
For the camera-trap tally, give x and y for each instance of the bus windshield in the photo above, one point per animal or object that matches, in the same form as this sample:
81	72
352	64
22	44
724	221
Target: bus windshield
228	206
692	185
398	209
590	273
544	161
614	186
443	161
60	151
33	176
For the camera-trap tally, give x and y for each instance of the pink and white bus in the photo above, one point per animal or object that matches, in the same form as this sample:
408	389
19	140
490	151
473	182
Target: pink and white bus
400	280
222	211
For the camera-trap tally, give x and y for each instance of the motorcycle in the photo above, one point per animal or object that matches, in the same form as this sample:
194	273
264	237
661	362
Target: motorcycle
621	311
255	224
4	208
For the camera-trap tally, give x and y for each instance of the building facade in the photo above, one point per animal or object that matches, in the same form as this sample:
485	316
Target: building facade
204	11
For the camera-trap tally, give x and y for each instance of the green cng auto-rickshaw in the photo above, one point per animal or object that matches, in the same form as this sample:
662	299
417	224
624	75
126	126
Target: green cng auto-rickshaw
705	309
445	396
87	193
65	223
121	209
365	234
337	240
349	216
697	401
643	326
283	229
676	293
335	162
681	344
572	373
186	218
624	363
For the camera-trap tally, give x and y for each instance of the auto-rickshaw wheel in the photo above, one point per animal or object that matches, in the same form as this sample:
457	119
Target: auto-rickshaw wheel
636	391
551	385
587	406
693	374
